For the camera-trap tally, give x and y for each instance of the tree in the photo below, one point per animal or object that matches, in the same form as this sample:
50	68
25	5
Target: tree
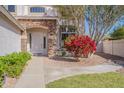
101	19
72	14
118	34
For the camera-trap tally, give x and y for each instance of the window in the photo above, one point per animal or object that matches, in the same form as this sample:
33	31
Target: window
37	9
65	31
11	8
44	42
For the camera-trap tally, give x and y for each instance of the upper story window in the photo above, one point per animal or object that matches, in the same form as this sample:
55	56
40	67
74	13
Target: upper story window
11	8
37	9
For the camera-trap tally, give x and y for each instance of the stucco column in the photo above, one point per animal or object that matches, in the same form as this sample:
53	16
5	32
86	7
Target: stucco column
24	41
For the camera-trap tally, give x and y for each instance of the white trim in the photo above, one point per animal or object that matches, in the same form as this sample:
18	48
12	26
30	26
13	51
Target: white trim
37	17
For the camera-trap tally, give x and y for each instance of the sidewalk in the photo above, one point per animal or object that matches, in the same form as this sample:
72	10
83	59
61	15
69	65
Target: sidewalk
33	75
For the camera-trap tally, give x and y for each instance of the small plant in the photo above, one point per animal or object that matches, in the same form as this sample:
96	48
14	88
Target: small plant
80	45
63	53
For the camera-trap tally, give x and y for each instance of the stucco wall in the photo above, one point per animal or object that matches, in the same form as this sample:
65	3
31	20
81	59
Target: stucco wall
10	37
114	47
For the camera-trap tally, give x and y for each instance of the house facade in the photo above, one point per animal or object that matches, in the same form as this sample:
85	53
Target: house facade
43	33
40	24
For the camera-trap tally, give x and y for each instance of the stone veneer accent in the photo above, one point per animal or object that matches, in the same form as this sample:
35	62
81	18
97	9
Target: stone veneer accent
42	23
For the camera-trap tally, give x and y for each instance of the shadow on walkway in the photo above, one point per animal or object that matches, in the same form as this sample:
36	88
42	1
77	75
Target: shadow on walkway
116	59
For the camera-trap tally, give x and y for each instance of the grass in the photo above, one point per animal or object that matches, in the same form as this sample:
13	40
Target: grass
105	80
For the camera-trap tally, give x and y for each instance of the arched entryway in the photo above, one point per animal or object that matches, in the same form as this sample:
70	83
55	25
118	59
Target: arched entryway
45	25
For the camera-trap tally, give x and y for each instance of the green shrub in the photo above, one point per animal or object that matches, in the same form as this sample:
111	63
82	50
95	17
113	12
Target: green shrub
13	64
14	70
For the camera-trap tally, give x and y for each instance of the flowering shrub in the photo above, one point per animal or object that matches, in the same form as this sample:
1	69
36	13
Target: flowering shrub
80	45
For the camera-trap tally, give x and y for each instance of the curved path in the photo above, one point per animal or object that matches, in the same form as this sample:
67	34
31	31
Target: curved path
54	73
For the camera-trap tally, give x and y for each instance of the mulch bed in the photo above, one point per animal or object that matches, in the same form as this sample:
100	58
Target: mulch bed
71	62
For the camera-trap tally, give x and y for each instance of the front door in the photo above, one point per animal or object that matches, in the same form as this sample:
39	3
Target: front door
39	43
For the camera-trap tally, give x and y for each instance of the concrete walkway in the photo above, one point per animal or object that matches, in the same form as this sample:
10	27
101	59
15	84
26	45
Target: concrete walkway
37	73
54	73
33	75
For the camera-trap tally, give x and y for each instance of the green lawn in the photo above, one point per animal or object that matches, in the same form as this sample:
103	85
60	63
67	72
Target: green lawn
106	80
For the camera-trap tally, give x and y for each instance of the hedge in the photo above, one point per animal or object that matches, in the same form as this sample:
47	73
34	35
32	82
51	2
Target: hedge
13	64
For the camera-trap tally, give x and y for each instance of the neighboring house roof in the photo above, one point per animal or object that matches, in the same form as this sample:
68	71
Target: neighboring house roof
10	17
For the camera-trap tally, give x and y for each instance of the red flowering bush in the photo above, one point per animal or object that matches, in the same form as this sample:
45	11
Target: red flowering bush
80	45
